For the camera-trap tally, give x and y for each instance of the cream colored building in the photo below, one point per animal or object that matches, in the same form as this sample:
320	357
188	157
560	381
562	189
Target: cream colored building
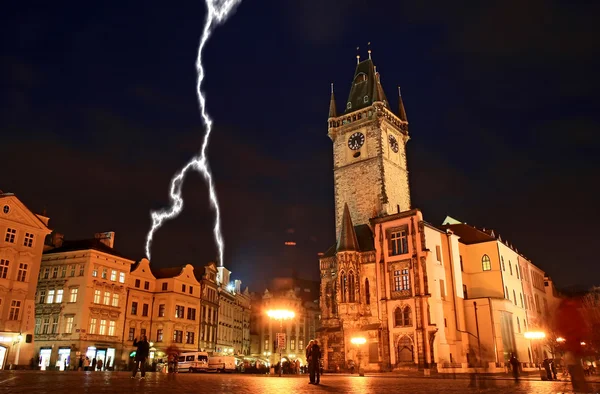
227	307
209	307
22	235
80	303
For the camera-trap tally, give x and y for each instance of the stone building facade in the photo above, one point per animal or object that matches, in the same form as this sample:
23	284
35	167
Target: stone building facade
22	234
447	296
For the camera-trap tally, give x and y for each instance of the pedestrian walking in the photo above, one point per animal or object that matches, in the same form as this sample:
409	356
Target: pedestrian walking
80	364
99	364
141	355
86	364
514	363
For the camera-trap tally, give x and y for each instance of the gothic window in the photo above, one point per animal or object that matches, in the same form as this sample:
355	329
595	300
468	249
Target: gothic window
351	292
344	286
402	317
486	264
398	243
367	292
405	350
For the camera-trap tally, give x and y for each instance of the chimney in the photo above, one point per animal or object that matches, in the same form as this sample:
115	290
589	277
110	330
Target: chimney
238	285
107	238
57	239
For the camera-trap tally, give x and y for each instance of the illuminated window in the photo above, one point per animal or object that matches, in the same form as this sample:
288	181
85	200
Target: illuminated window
92	329
104	273
159	335
59	296
106	298
486	264
96	296
73	295
344	286
122	277
161	310
46	325
401	280
95	272
113	275
102	330
115	300
50	298
69	325
63	271
131	334
111	328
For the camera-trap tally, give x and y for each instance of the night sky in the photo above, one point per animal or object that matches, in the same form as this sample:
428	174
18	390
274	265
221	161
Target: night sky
98	110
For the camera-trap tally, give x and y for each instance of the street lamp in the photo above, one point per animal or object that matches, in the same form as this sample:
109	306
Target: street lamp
532	335
281	315
359	341
17	342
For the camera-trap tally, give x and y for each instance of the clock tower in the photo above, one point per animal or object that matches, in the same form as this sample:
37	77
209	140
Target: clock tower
369	155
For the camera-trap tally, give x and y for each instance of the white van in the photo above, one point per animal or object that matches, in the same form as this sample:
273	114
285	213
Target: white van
193	362
222	363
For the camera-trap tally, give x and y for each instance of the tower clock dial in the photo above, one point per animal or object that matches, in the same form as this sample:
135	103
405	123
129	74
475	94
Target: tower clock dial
356	140
393	143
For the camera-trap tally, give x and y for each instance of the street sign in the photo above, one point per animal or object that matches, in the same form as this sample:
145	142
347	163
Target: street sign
281	340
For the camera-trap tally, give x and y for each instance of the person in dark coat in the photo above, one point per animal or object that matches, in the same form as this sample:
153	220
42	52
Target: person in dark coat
314	366
514	363
141	355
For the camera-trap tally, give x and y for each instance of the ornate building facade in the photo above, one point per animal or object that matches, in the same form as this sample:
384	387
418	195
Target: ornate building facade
22	234
421	295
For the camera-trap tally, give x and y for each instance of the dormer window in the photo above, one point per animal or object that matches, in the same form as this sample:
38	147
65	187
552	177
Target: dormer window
366	99
361	77
349	105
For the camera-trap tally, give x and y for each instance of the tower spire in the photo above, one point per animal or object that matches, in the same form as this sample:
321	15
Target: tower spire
332	110
401	111
347	240
357	55
369	49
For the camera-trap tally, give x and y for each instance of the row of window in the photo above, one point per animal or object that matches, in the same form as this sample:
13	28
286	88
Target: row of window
11	236
50	296
21	272
179	311
102	327
177	335
53	272
45	326
106	299
113	274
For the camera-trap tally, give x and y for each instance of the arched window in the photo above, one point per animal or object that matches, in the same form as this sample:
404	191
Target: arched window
343	286
515	297
510	266
351	292
506	295
486	264
406	316
503	266
367	292
521	295
518	324
361	77
334	301
398	317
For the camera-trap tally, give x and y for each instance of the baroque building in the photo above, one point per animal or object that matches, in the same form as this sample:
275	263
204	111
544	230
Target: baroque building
22	235
449	296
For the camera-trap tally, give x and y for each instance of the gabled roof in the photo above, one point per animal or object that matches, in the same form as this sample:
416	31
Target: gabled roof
365	83
347	240
26	217
86	244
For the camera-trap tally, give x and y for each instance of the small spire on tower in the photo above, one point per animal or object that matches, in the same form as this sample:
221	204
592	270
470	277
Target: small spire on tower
357	55
369	49
401	111
332	110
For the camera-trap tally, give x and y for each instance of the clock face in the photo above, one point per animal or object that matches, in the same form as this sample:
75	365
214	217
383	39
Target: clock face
393	143
356	140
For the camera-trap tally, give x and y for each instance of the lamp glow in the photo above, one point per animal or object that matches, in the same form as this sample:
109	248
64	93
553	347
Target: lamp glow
358	341
535	335
280	314
560	339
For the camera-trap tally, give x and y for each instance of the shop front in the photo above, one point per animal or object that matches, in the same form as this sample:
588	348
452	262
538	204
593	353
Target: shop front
64	358
44	360
103	356
3	355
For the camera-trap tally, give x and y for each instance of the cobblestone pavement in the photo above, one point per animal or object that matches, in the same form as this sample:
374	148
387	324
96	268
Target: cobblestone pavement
37	382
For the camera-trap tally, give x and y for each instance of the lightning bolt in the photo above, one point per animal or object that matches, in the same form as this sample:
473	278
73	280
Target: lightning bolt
217	12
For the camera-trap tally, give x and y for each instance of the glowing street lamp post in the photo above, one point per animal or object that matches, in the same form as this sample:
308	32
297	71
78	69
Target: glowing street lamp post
359	341
533	335
281	315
